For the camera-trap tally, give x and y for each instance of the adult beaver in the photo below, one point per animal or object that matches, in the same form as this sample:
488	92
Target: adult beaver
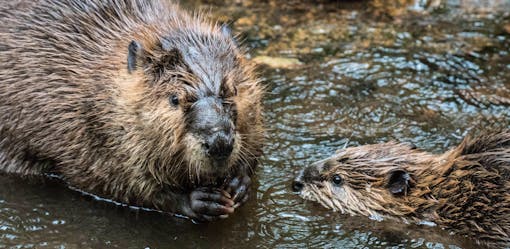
133	100
466	189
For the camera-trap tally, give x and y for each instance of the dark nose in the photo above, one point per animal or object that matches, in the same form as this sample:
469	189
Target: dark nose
297	185
219	146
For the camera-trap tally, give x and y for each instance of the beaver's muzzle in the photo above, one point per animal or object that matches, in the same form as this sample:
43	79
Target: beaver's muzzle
298	184
212	123
309	174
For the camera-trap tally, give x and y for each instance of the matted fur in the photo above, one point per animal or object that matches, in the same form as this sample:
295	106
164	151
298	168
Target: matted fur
466	190
68	104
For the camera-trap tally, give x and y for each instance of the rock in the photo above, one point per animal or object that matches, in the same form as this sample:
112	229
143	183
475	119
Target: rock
278	62
507	28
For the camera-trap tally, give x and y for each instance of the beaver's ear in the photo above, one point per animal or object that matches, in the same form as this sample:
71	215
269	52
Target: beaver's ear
399	182
135	51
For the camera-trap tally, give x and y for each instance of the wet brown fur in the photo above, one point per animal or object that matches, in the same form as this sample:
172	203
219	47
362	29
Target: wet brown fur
466	190
68	104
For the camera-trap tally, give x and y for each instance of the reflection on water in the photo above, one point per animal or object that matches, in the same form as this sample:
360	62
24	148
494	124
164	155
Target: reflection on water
419	71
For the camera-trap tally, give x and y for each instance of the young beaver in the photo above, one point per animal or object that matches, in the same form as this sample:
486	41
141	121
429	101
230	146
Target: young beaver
133	100
466	189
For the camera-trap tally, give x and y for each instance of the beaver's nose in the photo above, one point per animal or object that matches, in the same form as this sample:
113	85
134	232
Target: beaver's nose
219	146
213	125
297	185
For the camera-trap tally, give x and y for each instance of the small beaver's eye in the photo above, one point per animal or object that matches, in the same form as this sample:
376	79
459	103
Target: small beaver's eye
337	180
174	100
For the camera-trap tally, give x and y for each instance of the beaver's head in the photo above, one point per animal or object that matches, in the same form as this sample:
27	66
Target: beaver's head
369	180
195	99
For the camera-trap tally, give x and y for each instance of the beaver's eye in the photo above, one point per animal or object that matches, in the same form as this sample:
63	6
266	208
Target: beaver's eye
337	180
174	100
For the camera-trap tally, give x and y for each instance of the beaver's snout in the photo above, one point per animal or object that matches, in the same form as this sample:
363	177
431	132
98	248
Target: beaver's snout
212	123
297	185
219	146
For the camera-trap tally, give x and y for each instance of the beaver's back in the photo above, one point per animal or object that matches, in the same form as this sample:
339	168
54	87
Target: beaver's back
59	59
71	38
476	189
133	100
491	150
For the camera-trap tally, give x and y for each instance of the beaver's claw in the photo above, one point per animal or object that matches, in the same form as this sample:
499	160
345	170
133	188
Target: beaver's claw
239	188
210	204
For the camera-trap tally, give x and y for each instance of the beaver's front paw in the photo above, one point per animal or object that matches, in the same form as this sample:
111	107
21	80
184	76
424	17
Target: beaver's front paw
210	204
239	188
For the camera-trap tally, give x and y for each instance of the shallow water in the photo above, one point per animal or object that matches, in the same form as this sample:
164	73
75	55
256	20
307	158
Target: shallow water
368	72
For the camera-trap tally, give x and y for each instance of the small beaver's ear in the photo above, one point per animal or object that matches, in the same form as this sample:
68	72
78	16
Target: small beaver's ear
135	50
399	182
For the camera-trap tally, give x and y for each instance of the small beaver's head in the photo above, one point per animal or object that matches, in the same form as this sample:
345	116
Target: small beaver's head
197	100
367	180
